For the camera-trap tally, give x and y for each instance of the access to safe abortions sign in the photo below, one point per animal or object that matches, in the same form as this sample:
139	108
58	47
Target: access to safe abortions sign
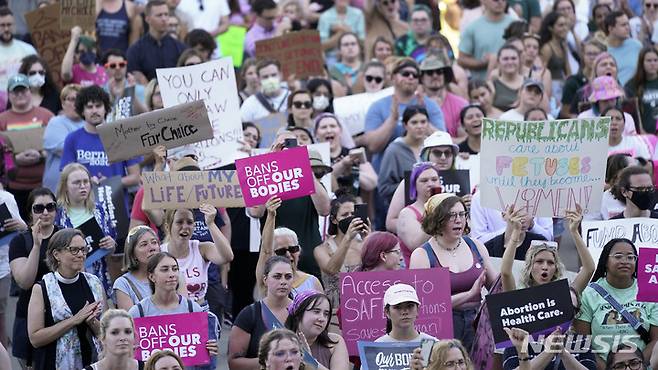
545	167
647	275
188	189
389	356
172	127
362	308
537	310
185	334
214	83
286	174
642	231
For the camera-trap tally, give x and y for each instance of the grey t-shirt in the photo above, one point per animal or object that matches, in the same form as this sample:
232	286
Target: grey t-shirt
122	284
150	309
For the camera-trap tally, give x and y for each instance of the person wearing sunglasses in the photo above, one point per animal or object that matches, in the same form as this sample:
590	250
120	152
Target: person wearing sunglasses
65	307
79	64
27	261
126	95
635	188
627	357
610	308
373	78
642	26
300	109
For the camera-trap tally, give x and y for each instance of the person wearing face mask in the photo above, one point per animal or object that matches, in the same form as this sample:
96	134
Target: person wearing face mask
45	93
323	96
272	96
86	71
635	187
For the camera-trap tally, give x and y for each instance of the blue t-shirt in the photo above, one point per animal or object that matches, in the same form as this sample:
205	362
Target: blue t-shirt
87	149
626	56
381	109
53	143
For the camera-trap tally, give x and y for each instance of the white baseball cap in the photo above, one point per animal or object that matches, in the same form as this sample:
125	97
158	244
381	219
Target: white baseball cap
400	293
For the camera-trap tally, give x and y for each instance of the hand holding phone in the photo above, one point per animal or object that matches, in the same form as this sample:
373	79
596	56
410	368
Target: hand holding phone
290	143
426	350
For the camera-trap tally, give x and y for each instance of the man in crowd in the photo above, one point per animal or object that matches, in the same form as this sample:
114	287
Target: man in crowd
530	96
264	28
337	20
413	43
273	96
126	95
11	49
623	48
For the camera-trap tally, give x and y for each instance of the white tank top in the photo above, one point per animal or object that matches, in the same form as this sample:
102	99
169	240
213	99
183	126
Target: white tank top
195	271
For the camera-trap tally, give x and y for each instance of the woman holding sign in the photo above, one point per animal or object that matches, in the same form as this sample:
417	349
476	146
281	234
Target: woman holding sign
118	339
77	208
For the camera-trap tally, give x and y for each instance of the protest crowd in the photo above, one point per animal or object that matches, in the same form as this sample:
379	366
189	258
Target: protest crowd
295	184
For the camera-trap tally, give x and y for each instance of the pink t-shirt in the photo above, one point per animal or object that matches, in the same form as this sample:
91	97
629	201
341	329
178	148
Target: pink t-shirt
451	107
195	270
84	78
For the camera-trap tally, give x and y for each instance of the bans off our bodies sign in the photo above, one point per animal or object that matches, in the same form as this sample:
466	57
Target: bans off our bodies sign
544	167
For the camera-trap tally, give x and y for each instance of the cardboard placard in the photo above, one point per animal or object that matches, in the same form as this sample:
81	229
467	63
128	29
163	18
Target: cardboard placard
110	194
214	83
47	37
286	174
351	110
269	126
22	140
188	189
642	231
537	310
172	127
77	13
185	334
544	167
300	53
362	309
386	355
231	43
647	275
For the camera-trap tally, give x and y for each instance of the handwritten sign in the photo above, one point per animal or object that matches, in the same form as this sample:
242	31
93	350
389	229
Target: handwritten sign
544	167
188	189
22	140
362	309
185	334
300	53
172	127
351	110
286	174
214	83
269	125
386	355
77	13
647	275
49	40
640	230
537	310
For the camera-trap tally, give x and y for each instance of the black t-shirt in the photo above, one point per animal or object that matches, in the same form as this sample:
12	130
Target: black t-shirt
464	148
250	320
240	227
20	247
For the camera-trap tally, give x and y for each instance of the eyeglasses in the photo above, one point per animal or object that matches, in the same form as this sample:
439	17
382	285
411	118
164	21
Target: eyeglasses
454	215
76	250
408	74
374	78
442	153
634	364
620	257
39	208
302	104
292	249
650	5
81	183
116	65
454	364
433	72
32	73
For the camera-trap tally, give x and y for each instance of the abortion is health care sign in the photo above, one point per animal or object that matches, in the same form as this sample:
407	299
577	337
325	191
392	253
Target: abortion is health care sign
647	275
185	334
544	167
286	174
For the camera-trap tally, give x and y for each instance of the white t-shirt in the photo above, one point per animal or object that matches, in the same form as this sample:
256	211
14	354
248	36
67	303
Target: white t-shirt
252	109
10	59
514	115
208	18
387	338
633	145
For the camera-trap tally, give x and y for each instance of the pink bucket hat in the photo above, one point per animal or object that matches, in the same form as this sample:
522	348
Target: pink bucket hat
605	88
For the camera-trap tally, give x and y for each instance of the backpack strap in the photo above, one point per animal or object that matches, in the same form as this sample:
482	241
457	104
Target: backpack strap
190	307
474	249
634	322
141	309
431	256
134	288
264	102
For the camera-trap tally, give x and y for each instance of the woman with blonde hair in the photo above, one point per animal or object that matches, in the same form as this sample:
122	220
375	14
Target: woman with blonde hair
152	96
118	339
446	354
280	349
164	360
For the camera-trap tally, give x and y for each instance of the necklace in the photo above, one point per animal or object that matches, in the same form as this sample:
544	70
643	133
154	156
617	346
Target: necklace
453	251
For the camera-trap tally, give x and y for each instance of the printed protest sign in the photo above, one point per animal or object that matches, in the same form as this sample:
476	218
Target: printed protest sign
300	53
286	174
185	334
362	309
49	40
188	189
231	43
214	83
456	182
389	356
93	235
269	126
472	164
647	275
642	231
172	127
22	140
77	13
351	110
537	310
110	195
544	167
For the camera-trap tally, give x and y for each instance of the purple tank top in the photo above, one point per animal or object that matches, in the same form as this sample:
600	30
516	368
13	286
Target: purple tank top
460	281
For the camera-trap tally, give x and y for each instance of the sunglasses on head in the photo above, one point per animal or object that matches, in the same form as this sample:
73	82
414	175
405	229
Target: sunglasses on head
408	74
116	65
290	249
377	79
39	208
302	104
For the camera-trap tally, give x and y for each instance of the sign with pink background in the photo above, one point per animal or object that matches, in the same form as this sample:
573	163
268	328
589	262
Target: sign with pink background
185	334
647	275
362	303
286	174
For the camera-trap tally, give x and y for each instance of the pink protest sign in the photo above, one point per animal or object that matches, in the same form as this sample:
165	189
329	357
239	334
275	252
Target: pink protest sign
286	174
185	334
362	308
647	275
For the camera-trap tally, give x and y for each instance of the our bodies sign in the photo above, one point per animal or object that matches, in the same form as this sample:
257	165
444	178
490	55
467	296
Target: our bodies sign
642	231
386	355
214	83
286	174
647	275
172	127
188	189
185	334
362	309
544	167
